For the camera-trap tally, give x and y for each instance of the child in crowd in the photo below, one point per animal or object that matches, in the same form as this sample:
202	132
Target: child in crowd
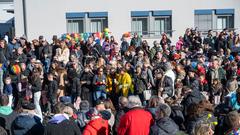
8	90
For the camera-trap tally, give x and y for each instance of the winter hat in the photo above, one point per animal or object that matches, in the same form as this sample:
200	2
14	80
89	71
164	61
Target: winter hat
16	69
84	105
98	102
106	115
231	58
65	100
165	109
28	105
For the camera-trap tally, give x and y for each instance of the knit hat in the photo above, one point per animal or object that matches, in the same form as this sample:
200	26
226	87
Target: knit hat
106	115
16	69
66	100
28	105
84	105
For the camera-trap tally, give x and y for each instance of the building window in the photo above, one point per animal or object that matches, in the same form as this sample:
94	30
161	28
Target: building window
140	25
75	26
225	21
98	24
203	22
162	25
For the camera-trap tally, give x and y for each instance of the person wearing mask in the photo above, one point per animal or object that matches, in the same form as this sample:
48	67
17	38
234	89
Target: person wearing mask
131	123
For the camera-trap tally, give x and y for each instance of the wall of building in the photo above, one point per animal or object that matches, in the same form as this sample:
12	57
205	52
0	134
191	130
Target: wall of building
5	18
47	17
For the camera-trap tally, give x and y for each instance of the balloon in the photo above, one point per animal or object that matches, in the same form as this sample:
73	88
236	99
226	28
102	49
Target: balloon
68	37
106	34
106	30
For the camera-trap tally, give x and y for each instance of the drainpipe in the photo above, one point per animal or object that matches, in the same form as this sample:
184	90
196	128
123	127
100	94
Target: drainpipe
24	17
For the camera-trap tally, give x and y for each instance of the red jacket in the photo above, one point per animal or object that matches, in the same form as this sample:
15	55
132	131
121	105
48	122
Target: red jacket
135	122
97	126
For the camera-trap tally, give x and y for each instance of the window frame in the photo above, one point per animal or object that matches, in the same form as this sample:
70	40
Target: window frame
166	25
143	33
102	23
78	19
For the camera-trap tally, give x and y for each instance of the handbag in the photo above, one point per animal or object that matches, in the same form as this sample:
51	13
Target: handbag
147	94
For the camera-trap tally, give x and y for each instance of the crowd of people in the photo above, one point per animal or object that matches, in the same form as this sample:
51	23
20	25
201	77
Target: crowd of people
102	87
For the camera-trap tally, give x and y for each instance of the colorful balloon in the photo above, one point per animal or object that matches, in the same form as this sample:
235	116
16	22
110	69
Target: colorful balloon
106	30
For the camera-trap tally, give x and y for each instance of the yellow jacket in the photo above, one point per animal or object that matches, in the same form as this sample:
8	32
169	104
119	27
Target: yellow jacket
109	82
125	84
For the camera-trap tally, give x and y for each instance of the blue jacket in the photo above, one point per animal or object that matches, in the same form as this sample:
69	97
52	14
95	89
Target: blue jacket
8	89
27	124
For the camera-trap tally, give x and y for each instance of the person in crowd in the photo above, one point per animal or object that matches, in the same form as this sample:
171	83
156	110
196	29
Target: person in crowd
164	84
82	114
233	123
99	82
51	87
193	73
8	90
7	115
164	125
131	122
36	87
98	124
61	123
27	122
203	129
124	82
136	41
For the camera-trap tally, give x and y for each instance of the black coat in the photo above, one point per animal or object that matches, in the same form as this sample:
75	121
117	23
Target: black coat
193	97
36	85
164	126
51	87
7	120
66	127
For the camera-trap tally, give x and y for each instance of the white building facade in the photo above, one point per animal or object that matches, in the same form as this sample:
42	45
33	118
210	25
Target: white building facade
150	18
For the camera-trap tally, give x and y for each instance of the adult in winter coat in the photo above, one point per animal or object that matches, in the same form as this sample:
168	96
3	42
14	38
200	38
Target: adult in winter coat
124	82
164	84
27	122
164	125
60	124
7	115
131	123
86	84
190	97
124	46
99	81
36	86
98	125
51	87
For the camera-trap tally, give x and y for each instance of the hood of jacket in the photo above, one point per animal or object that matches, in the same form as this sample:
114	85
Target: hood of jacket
58	118
24	122
167	126
5	110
